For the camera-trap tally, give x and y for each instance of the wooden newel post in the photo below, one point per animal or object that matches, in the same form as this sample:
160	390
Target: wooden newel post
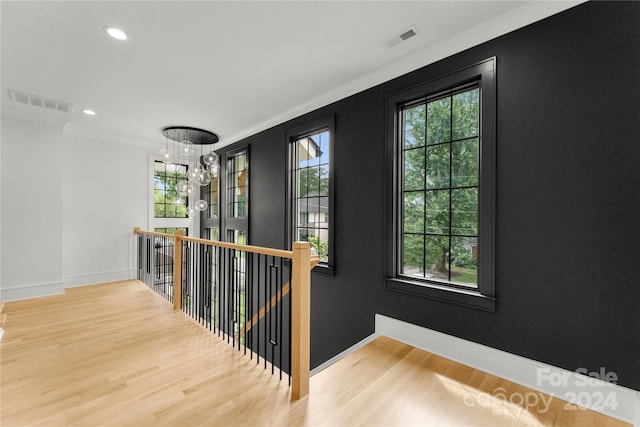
177	269
300	319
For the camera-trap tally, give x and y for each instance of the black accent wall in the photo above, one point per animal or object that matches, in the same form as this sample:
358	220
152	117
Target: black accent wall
568	200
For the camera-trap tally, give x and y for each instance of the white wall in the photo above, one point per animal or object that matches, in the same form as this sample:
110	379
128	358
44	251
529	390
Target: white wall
105	194
68	207
31	218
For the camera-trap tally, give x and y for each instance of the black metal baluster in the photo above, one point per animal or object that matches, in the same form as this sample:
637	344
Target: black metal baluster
257	325
148	256
279	308
207	283
228	305
247	286
266	319
290	314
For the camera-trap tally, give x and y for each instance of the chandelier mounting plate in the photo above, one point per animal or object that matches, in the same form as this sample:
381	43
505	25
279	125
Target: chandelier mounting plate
195	135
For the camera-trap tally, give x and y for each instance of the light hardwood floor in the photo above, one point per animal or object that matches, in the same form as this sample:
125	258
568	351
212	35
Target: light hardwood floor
118	355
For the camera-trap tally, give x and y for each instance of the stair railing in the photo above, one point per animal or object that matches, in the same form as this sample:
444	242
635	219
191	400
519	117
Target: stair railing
257	298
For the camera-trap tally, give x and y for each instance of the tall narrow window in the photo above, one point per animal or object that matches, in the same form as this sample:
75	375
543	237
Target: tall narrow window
237	186
441	185
310	150
211	217
236	203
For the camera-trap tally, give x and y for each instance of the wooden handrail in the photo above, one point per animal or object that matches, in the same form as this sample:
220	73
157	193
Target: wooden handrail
247	248
138	230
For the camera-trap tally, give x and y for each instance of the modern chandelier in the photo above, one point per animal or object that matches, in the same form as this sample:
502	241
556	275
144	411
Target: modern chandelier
192	147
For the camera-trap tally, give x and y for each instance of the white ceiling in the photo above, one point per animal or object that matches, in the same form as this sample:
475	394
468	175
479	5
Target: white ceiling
232	67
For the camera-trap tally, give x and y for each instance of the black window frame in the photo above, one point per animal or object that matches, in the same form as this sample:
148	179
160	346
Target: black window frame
483	297
208	221
292	135
228	222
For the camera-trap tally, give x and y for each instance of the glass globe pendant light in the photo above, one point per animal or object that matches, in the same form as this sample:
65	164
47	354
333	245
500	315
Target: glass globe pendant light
185	188
186	149
210	158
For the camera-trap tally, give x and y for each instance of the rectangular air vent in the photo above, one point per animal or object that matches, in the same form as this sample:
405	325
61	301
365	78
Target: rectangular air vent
39	101
402	36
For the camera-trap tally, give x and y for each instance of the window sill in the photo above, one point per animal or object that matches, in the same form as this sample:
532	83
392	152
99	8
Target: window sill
464	297
323	269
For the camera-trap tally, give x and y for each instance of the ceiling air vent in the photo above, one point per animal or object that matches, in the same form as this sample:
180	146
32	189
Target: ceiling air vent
39	101
402	36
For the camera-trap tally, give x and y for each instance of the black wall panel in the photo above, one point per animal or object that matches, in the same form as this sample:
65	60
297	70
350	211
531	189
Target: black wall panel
568	200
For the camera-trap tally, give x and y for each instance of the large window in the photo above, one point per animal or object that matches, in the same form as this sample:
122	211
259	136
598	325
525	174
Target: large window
310	150
442	187
167	208
167	203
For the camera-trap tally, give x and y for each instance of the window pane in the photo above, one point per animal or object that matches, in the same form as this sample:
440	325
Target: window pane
465	163
319	241
213	234
464	265
314	181
413	254
438	166
302	234
464	215
302	182
323	143
414	120
414	169
414	212
466	114
239	237
323	212
323	180
439	121
436	257
311	205
303	152
314	150
437	205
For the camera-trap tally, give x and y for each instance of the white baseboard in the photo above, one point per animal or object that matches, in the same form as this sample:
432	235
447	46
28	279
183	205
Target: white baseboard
56	288
31	291
95	278
623	403
343	354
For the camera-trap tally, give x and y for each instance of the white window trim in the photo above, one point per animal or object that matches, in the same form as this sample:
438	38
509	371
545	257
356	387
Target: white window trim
188	223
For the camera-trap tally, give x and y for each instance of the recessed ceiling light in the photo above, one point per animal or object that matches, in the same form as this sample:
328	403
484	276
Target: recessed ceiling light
89	112
116	33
